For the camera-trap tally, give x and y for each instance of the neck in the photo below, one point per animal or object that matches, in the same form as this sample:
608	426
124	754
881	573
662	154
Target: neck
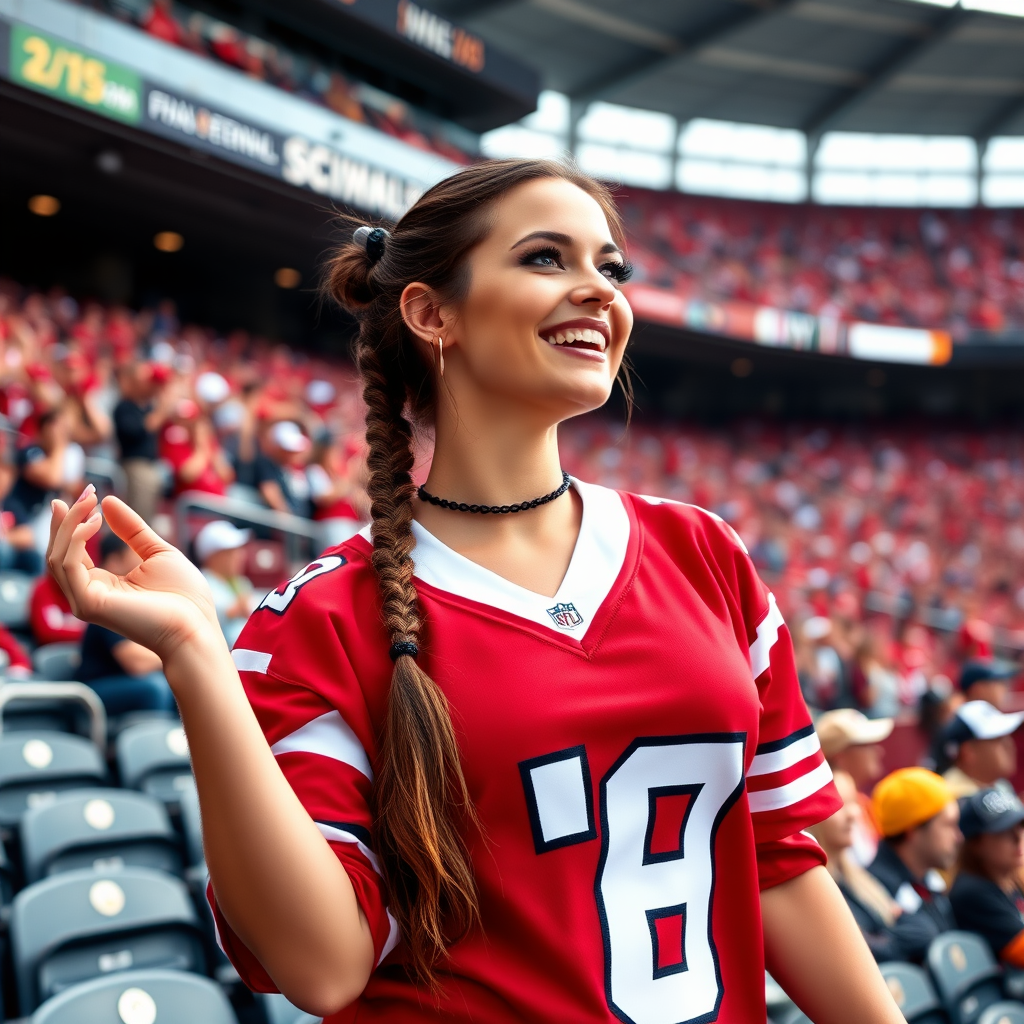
913	863
493	456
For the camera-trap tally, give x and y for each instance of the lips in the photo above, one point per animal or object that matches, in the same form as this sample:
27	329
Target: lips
583	333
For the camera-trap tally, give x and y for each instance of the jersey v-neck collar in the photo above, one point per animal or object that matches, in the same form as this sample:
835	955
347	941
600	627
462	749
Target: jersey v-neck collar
593	569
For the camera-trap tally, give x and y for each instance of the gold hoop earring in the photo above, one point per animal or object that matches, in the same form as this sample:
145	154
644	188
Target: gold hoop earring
440	355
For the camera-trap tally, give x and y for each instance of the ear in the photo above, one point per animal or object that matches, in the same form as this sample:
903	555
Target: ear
421	311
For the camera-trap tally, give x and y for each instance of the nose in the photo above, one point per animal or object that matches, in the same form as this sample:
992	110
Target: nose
594	290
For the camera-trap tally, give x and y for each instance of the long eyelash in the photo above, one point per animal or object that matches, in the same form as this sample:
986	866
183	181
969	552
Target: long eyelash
620	272
528	257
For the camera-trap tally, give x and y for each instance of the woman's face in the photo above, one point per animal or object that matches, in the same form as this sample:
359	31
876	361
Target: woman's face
837	831
1002	852
544	323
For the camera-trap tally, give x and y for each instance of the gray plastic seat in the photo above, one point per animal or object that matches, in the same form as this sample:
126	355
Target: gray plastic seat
168	997
104	829
153	757
55	662
280	1011
192	826
1003	1012
81	925
913	992
966	976
15	591
36	765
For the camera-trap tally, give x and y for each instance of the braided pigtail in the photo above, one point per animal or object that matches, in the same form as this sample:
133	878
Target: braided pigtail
420	791
422	807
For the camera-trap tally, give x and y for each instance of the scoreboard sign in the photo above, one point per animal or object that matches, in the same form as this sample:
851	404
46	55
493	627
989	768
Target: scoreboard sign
49	65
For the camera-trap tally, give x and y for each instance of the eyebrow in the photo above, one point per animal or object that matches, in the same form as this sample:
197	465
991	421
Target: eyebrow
560	239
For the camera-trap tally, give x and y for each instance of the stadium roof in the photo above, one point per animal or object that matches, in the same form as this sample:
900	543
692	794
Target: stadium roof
929	67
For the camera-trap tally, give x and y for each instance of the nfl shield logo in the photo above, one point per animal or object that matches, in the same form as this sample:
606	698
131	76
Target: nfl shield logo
565	616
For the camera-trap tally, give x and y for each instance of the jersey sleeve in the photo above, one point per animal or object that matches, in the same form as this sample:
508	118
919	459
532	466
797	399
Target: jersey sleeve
789	783
310	706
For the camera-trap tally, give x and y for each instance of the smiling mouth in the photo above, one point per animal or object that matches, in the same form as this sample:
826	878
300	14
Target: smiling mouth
577	337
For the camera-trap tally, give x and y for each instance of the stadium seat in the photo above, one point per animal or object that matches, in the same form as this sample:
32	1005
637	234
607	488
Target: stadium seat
57	662
152	756
280	1011
15	591
70	706
167	997
76	926
103	829
966	976
35	766
1005	1012
913	992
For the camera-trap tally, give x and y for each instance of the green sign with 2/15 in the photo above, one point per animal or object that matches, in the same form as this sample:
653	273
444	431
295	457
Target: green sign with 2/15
76	76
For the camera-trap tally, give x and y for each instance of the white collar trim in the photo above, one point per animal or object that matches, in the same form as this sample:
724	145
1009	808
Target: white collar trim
595	565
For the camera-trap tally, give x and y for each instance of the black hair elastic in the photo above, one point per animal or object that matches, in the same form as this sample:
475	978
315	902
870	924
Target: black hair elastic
400	647
372	240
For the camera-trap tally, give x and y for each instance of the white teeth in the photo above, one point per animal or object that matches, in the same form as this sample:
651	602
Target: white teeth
561	338
585	334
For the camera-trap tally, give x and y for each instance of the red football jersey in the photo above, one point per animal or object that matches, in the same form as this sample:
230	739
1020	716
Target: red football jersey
637	749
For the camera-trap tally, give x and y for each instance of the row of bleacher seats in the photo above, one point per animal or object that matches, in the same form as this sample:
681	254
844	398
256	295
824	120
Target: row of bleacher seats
103	914
960	984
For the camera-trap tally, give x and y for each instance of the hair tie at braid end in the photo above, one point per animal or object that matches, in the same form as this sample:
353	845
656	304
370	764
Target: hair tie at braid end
372	240
403	647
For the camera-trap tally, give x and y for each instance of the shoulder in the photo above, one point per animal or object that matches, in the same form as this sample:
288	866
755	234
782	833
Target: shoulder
970	890
324	614
667	514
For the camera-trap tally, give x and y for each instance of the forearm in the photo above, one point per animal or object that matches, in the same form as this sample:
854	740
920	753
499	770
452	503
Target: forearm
815	951
283	891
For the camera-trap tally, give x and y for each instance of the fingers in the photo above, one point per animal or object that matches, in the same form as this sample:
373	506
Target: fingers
127	524
67	521
76	571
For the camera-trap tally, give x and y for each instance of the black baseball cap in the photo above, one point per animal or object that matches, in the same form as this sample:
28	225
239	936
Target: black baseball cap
990	810
987	670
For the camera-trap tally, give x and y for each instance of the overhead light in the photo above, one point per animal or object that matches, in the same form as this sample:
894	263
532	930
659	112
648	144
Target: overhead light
109	161
44	206
287	277
1013	8
168	241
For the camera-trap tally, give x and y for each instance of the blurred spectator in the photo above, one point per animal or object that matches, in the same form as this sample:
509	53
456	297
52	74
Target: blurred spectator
90	424
221	552
281	469
917	815
987	897
160	22
823	675
851	743
125	675
333	488
874	910
190	446
988	680
978	741
19	664
137	419
876	678
50	617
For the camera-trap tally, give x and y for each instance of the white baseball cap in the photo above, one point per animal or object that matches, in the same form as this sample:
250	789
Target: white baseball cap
289	436
219	535
979	720
212	388
847	727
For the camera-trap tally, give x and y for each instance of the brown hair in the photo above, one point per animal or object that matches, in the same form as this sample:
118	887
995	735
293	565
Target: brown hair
422	802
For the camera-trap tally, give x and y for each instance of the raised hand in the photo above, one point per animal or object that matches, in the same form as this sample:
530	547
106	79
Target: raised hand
162	603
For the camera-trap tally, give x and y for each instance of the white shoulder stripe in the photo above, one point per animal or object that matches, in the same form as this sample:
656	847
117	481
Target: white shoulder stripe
792	792
767	634
330	736
250	661
777	760
337	835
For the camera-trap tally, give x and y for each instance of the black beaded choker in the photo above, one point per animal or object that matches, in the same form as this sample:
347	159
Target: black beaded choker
497	510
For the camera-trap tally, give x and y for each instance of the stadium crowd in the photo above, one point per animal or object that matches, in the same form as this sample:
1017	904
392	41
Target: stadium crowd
313	77
959	270
894	553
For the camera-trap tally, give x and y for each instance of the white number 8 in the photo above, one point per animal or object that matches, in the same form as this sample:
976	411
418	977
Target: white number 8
655	889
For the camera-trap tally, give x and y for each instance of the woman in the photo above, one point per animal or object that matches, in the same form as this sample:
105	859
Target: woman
872	907
987	897
574	656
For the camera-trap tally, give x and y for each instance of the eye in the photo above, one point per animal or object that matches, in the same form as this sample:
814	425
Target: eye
548	257
618	270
